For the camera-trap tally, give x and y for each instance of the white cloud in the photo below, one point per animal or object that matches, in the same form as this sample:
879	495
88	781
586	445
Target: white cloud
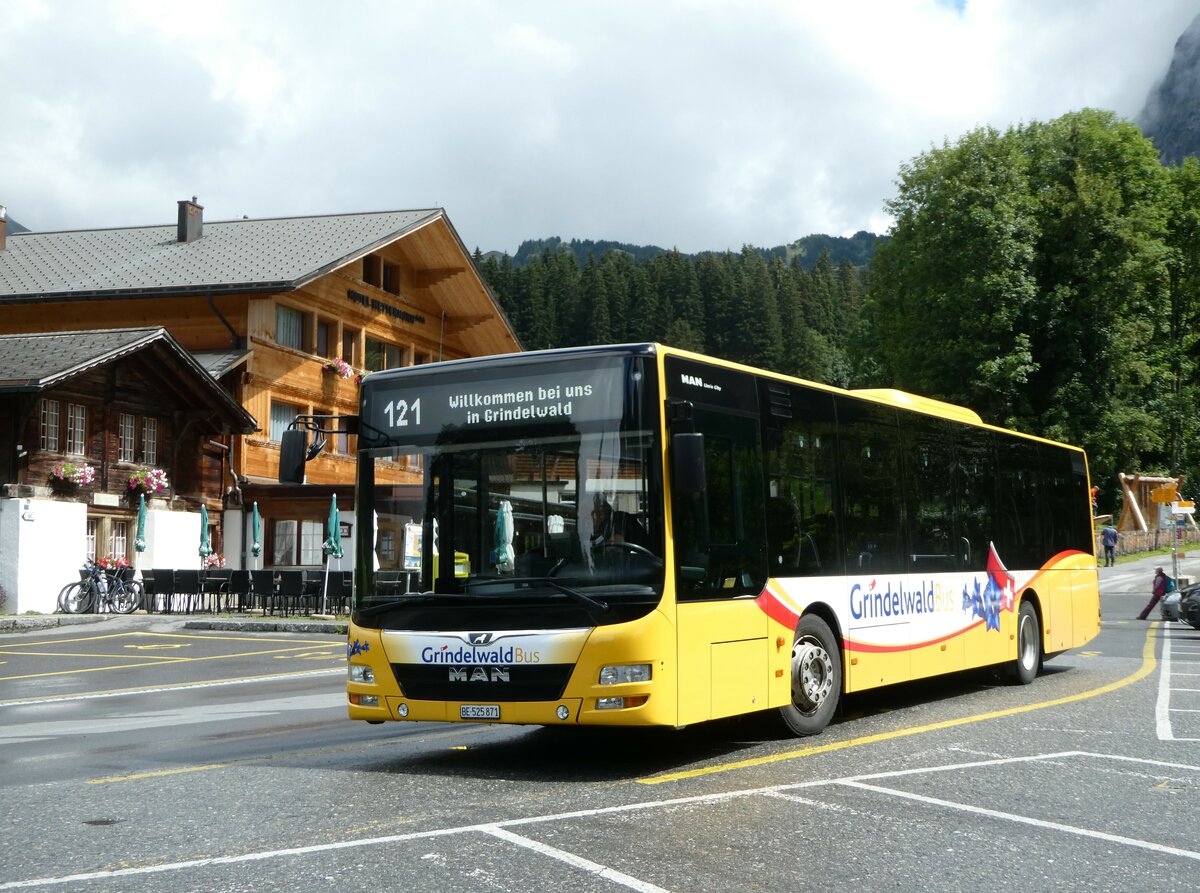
690	123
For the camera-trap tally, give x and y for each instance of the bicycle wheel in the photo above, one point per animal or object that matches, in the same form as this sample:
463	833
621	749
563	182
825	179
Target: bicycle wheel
78	597
127	598
62	595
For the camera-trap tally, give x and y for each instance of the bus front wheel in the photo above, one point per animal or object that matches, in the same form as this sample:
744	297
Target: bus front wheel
816	677
1025	668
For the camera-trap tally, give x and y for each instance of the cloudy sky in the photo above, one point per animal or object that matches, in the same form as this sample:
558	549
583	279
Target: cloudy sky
696	124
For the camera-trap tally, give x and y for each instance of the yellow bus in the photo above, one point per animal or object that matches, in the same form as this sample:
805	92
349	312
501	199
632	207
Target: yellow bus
637	535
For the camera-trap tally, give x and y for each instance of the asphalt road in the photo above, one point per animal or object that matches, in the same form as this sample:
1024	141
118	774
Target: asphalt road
138	755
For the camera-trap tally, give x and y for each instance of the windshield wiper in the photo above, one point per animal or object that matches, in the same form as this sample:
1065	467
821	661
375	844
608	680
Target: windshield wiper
523	583
415	599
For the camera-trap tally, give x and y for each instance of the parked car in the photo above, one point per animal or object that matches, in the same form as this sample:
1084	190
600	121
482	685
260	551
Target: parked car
1169	606
1189	605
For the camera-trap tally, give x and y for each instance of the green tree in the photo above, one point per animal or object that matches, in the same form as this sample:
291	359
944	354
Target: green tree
1026	277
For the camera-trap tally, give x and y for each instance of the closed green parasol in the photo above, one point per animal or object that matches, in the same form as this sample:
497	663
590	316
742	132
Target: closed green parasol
205	545
333	533
332	546
139	541
255	532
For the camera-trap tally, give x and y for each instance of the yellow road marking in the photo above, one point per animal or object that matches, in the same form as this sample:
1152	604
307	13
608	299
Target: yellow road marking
149	661
1147	667
169	686
162	646
158	774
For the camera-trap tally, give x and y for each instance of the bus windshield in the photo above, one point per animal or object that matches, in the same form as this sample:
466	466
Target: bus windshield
514	519
563	518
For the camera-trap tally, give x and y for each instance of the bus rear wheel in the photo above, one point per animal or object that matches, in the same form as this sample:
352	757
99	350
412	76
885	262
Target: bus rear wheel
816	677
1025	668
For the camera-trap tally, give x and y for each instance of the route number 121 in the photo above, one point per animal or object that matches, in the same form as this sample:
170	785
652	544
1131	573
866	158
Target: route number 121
398	411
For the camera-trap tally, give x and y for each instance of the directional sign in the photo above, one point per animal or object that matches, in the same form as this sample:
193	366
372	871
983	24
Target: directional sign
1183	508
1164	494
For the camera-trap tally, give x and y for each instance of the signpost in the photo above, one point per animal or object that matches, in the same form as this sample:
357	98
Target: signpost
1180	508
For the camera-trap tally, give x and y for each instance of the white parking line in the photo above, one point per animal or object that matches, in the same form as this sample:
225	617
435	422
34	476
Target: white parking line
500	830
1167	676
1027	820
603	871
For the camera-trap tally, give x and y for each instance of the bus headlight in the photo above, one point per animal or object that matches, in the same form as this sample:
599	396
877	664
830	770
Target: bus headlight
361	673
624	673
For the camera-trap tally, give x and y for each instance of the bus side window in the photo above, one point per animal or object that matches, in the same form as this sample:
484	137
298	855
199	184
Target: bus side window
802	536
974	475
732	561
929	493
871	497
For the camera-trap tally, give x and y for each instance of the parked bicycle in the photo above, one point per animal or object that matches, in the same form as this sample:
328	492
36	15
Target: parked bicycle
101	590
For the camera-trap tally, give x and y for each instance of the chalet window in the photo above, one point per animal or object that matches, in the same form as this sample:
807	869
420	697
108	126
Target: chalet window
350	346
423	358
297	542
324	334
382	356
150	440
93	529
387	544
49	434
341	440
289	327
127	438
282	415
391	278
76	428
118	539
373	270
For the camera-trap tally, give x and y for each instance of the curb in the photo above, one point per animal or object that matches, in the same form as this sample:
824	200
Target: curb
35	622
269	626
47	621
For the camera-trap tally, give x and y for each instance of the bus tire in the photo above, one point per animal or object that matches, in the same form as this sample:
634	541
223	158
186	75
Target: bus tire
816	677
1024	669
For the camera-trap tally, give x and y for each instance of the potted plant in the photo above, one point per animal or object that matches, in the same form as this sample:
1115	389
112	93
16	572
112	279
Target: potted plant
151	481
66	477
339	367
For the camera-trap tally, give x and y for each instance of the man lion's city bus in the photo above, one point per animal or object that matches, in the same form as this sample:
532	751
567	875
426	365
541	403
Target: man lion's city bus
641	536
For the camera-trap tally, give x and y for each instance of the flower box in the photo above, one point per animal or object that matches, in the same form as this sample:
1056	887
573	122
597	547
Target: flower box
151	481
67	477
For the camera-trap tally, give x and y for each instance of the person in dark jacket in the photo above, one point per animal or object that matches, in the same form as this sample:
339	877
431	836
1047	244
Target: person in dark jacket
1162	585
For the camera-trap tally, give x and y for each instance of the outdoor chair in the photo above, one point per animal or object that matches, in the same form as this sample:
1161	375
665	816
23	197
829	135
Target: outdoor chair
262	590
290	592
338	596
164	589
149	590
214	586
239	590
310	594
187	589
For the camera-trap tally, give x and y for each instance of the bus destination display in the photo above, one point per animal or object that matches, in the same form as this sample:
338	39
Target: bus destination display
414	406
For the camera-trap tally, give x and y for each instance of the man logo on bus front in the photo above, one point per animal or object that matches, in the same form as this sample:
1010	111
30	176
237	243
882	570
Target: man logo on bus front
479	638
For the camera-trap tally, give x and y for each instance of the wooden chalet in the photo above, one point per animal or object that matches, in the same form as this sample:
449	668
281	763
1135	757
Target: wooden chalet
284	314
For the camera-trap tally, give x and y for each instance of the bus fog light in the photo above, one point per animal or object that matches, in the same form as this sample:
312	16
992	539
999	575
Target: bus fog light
610	703
563	712
615	675
364	700
361	673
403	711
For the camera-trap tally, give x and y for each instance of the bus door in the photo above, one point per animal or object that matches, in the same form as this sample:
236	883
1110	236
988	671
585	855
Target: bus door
720	569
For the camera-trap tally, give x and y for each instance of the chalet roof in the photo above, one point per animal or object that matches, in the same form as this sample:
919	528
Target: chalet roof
36	361
267	255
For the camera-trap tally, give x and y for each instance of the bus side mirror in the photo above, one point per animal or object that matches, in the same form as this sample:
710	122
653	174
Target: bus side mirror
293	447
687	462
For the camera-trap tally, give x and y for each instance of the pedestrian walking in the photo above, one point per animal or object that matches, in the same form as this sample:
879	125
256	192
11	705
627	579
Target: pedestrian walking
1162	585
1109	538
